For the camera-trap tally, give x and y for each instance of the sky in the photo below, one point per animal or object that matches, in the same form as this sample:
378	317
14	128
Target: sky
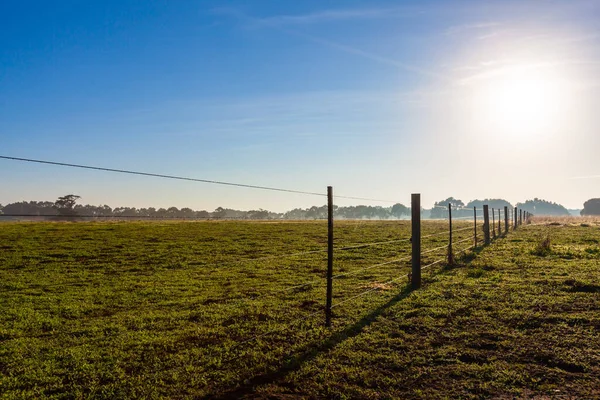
379	99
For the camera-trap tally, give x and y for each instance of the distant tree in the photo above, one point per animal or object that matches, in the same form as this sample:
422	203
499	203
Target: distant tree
440	208
258	214
65	205
202	214
543	207
398	210
186	213
316	212
591	207
219	212
30	207
125	212
493	203
173	212
296	213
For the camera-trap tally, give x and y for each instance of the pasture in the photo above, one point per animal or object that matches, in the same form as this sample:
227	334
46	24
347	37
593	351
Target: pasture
235	309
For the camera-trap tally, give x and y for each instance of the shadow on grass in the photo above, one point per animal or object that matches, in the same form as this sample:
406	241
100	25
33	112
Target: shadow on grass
467	257
309	352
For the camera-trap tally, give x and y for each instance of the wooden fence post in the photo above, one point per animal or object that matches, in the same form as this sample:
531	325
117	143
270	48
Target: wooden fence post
416	240
329	256
515	218
506	220
486	224
493	224
520	216
499	224
475	225
450	254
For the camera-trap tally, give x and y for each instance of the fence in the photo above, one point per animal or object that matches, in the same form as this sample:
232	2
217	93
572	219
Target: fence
488	224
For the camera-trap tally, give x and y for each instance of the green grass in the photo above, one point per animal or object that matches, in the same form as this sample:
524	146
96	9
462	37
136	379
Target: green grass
151	310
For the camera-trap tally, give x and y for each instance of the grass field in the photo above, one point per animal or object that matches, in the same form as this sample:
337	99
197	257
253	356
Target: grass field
150	310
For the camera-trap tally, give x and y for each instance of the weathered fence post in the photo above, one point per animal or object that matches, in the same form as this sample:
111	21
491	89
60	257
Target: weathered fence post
506	220
416	240
493	224
515	217
450	254
475	225
520	216
486	224
499	224
329	256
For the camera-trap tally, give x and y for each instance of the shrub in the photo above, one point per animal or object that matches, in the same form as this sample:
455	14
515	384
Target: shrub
543	248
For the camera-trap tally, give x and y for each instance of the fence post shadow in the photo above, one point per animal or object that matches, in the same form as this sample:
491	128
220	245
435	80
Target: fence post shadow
310	351
466	257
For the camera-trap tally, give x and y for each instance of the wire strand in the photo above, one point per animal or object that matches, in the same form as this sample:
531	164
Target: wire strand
434	250
183	178
358	246
462	241
370	267
432	264
462	229
123	171
369	291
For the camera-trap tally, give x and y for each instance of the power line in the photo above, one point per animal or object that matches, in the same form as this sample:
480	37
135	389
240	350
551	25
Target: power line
183	178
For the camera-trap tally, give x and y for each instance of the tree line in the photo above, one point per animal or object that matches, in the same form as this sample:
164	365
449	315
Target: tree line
66	206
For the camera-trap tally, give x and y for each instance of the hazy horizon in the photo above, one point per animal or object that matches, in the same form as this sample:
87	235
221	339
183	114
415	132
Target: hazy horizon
467	99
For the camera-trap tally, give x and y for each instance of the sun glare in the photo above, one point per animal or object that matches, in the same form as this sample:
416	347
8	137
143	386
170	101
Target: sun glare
521	102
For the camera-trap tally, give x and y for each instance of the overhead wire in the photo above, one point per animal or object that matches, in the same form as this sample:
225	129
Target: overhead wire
183	178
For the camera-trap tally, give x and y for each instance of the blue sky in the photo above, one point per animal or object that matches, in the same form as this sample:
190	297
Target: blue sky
379	99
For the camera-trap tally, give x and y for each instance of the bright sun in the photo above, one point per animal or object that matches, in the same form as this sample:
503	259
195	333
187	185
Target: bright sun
521	103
